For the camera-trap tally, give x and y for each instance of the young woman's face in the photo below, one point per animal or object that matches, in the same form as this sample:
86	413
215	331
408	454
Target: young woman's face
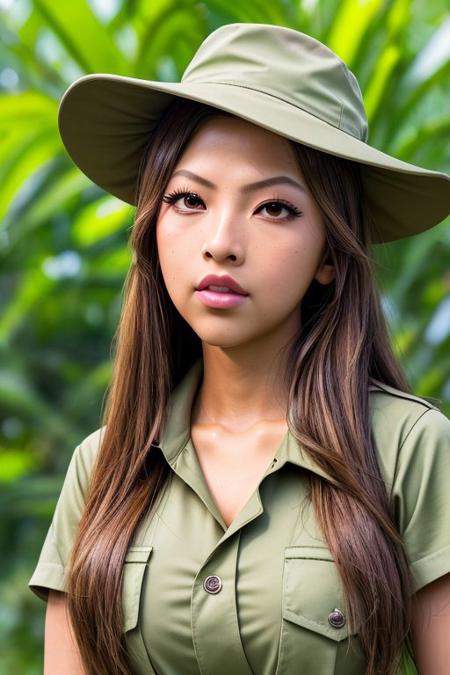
226	227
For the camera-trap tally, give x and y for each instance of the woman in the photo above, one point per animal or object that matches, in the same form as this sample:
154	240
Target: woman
266	494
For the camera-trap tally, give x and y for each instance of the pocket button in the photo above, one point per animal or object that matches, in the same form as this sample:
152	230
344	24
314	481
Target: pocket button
336	618
212	584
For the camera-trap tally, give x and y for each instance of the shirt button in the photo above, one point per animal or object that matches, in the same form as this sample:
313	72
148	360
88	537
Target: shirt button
336	618
212	584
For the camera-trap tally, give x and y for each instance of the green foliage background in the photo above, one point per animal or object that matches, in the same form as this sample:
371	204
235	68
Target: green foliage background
63	241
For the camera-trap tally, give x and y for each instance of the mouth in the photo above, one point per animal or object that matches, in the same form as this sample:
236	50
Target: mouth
220	299
221	284
220	289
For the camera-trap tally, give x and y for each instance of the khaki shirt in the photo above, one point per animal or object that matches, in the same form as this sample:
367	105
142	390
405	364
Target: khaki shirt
258	597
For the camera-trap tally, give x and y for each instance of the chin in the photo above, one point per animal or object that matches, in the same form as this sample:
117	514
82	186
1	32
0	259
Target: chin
219	339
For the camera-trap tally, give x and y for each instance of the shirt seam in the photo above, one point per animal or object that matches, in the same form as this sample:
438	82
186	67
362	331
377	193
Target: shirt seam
383	388
429	556
412	427
46	563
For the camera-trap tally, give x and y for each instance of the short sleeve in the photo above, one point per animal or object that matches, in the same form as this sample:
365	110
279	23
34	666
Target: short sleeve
422	497
50	569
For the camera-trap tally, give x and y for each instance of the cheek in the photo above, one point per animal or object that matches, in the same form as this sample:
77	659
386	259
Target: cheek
173	253
288	271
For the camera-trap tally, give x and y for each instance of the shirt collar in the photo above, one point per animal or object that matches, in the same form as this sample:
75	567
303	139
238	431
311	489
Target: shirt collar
176	433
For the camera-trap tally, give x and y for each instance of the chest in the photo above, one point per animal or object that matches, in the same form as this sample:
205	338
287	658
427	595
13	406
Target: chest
279	584
233	465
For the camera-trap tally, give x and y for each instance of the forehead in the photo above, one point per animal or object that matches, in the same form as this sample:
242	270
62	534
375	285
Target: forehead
233	143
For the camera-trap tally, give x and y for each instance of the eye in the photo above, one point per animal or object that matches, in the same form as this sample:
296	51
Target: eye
176	195
276	203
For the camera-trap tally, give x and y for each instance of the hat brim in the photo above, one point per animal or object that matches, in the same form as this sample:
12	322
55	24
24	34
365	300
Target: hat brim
104	121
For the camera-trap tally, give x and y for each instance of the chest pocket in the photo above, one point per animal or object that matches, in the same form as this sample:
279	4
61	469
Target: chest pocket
134	569
315	629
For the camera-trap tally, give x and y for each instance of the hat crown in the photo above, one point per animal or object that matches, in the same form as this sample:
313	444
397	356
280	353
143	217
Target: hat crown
286	64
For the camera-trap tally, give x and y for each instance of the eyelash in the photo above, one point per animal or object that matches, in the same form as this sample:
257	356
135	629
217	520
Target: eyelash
174	196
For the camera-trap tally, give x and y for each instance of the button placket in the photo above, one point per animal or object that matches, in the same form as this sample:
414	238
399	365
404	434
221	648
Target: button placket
213	608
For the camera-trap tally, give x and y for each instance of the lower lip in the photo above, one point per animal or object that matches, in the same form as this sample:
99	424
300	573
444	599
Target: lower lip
220	300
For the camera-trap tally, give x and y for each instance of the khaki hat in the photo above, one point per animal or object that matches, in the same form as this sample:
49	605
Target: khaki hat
276	77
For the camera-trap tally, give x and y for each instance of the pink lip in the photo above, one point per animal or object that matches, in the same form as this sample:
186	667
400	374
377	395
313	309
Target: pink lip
220	300
224	280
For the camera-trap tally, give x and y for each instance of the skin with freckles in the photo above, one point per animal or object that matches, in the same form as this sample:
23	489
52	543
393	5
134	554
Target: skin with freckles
274	254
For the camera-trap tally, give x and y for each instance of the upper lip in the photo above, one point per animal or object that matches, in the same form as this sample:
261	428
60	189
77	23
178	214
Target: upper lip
225	280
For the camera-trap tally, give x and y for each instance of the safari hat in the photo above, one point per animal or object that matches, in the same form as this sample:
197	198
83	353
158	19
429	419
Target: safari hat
276	77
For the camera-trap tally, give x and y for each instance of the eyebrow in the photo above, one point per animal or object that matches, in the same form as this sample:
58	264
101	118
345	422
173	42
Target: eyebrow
276	180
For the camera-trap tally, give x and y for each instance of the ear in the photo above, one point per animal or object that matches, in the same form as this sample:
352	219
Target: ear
326	271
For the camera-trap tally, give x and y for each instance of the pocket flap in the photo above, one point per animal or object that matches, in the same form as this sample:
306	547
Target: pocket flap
138	554
312	590
312	552
134	568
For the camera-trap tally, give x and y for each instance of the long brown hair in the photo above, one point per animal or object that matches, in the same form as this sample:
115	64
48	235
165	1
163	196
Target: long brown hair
342	343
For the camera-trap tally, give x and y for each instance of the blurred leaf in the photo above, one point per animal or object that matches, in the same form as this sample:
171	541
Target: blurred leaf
35	150
14	464
100	219
63	190
24	109
113	262
83	35
377	86
350	24
32	288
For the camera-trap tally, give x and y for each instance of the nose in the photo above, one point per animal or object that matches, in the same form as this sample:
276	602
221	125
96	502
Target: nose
223	241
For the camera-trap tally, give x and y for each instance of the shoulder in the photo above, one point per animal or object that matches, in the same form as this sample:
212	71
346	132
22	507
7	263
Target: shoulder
89	446
384	399
83	458
398	419
394	412
412	436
